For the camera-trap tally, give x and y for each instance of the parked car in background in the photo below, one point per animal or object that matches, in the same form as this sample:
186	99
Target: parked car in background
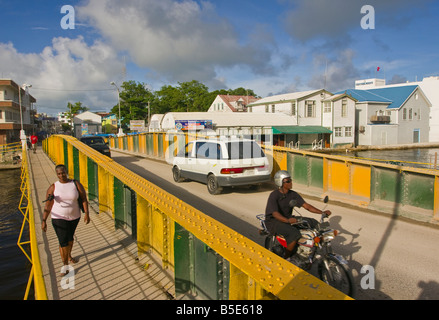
222	163
97	143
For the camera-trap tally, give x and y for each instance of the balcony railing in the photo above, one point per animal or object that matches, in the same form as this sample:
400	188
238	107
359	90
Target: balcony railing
380	119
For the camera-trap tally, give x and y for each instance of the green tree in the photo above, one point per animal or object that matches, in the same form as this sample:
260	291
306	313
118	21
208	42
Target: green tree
170	99
134	99
196	96
74	109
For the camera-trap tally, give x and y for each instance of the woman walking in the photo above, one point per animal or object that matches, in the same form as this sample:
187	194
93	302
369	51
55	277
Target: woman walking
63	206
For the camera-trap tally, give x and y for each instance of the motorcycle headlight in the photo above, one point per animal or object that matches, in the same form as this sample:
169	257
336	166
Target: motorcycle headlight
329	235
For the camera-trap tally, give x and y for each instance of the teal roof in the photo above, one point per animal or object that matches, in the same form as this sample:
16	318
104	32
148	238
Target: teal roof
395	96
299	130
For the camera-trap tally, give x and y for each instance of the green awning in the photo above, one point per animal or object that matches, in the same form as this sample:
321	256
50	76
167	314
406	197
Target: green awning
300	130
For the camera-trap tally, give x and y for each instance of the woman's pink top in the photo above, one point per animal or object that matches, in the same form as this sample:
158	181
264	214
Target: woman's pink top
65	205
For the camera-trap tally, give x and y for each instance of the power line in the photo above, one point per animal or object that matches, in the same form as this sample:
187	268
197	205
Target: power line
72	90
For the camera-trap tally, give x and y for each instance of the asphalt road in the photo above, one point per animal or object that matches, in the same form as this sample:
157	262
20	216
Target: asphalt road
399	258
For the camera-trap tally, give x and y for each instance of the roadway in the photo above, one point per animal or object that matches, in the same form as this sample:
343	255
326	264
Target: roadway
401	252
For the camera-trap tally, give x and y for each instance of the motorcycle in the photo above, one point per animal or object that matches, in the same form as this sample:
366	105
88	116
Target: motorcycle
314	247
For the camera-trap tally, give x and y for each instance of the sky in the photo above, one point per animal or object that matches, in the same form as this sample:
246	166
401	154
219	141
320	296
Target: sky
73	53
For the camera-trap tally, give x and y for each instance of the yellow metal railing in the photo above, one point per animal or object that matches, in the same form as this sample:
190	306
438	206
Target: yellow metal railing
254	272
11	147
26	208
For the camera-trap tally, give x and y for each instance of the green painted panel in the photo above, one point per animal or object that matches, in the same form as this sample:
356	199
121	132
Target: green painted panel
130	210
208	272
76	164
183	264
386	184
124	143
298	168
119	204
66	153
198	269
136	143
160	145
419	190
92	170
316	174
150	144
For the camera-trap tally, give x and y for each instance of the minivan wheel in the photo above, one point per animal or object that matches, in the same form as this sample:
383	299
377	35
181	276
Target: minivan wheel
212	184
176	174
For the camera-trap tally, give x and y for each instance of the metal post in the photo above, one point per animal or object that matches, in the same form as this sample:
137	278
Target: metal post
120	132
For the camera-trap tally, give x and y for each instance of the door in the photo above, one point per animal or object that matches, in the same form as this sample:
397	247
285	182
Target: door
416	136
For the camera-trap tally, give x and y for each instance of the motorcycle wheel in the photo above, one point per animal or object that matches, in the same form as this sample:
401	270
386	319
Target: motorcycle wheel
337	275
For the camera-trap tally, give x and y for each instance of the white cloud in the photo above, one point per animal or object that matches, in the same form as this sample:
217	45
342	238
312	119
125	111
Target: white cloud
177	40
65	71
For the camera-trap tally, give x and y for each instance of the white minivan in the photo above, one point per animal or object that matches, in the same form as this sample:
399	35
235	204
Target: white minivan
222	163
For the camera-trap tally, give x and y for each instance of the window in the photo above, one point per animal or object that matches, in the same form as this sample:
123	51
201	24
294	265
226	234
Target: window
186	152
273	108
404	114
293	108
327	107
208	150
344	108
348	131
338	132
243	150
310	108
266	108
410	114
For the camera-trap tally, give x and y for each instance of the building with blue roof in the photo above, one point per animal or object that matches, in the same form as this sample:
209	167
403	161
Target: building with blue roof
391	115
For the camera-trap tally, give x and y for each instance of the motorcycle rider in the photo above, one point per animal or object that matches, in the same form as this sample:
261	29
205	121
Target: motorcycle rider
278	213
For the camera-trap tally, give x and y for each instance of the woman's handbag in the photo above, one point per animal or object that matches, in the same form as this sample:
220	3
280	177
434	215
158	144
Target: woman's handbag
80	203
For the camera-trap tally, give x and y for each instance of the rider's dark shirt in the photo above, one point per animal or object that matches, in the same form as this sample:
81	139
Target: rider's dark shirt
277	201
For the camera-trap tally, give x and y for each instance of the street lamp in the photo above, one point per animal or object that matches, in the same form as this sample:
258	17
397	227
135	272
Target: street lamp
120	133
22	132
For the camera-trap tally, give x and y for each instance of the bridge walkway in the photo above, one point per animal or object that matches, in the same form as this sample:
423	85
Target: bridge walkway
108	266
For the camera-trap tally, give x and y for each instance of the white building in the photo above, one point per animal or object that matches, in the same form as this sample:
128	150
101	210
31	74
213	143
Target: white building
155	123
12	117
339	115
256	126
230	103
87	123
316	114
429	86
63	117
391	115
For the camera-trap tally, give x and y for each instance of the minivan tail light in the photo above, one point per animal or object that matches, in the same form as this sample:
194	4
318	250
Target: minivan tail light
239	170
232	170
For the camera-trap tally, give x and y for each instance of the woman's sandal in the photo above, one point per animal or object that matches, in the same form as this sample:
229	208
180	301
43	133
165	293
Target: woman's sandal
63	274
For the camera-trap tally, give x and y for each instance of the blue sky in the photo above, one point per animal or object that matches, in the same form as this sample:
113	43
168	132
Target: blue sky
270	46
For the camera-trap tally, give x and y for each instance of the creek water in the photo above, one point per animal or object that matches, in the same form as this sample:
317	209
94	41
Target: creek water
418	158
14	266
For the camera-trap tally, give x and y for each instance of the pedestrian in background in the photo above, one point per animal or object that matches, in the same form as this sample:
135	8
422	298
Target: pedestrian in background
34	140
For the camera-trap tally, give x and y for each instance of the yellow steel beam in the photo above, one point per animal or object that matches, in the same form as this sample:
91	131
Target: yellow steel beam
270	272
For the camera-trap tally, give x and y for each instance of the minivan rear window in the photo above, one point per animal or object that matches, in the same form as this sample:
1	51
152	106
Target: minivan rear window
244	150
